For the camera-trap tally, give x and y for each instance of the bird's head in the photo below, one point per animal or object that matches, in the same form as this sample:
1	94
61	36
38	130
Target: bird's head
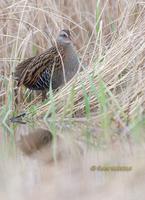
64	37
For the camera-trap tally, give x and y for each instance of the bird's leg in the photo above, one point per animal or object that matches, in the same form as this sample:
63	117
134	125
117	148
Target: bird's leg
16	96
44	95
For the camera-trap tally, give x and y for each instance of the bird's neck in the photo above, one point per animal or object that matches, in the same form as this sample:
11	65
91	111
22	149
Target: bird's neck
69	50
71	62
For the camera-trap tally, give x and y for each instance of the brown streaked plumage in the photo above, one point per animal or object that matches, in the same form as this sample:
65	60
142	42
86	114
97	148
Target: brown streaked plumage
54	66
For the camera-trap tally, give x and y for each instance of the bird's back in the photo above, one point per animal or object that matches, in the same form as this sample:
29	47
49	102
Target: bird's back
55	66
36	72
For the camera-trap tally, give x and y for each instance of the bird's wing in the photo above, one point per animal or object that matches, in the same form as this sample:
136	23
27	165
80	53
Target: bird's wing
48	59
21	67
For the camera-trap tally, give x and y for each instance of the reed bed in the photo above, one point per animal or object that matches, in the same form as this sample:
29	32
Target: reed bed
105	100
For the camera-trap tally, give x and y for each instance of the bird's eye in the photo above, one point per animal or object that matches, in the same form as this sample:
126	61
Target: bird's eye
64	35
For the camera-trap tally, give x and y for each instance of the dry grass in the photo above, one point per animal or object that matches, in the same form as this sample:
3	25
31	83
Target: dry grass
108	97
119	69
108	35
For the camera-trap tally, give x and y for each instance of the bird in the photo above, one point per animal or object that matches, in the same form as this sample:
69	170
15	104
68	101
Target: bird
53	67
